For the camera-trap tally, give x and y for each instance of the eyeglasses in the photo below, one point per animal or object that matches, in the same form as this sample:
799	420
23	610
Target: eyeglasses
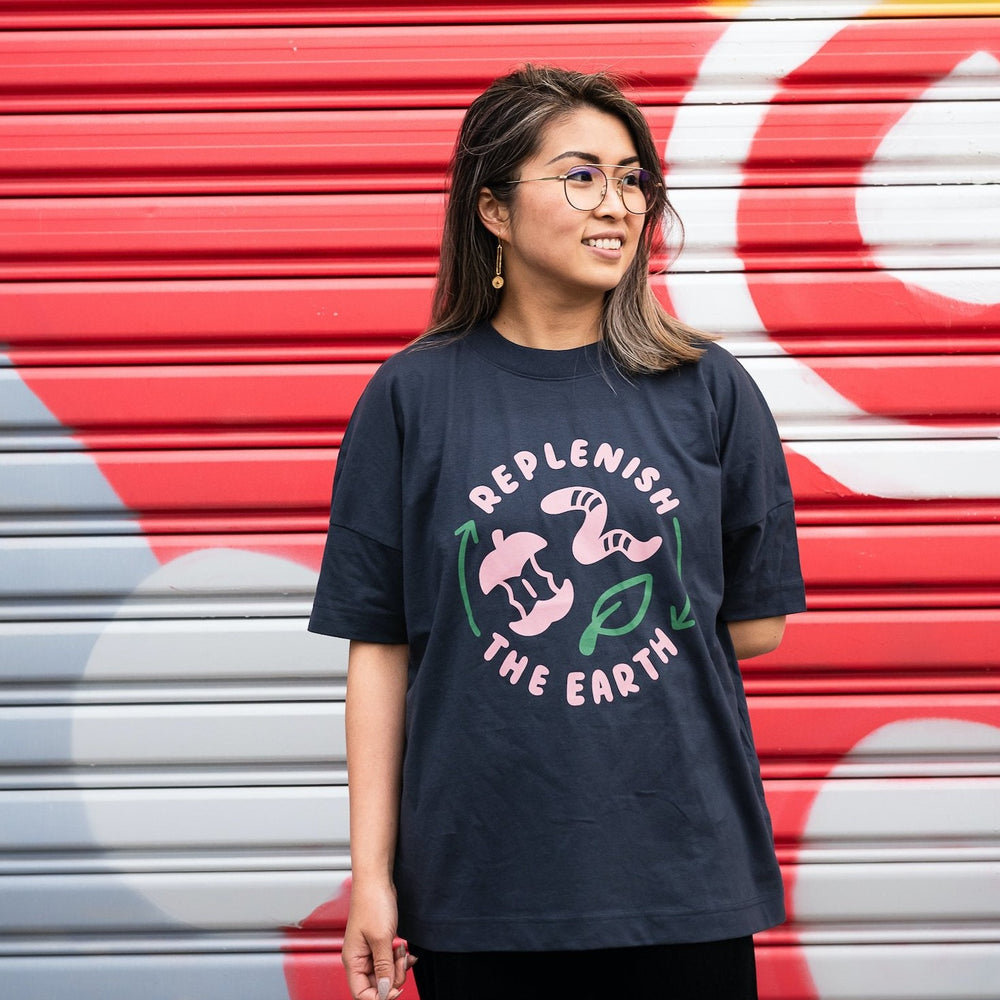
586	187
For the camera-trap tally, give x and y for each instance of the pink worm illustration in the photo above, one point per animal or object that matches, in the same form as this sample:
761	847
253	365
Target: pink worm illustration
592	543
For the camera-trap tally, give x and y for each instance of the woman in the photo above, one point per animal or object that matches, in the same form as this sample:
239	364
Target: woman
559	519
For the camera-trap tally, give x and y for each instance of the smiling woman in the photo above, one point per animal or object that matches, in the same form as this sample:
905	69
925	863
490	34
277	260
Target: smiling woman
557	519
562	258
582	122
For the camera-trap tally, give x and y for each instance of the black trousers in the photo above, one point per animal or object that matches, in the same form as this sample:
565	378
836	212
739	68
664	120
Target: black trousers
713	970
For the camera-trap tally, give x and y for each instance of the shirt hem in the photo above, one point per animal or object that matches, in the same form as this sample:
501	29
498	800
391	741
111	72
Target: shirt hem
578	933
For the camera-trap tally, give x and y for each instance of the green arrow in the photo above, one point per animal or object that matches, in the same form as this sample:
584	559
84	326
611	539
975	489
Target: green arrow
466	530
678	622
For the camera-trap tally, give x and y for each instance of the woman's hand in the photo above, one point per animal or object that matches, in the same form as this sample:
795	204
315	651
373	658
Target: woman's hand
375	962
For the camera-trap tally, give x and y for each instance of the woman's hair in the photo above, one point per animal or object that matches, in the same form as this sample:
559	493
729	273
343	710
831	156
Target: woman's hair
502	128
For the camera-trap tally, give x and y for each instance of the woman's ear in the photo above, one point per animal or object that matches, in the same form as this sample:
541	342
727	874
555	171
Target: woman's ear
492	213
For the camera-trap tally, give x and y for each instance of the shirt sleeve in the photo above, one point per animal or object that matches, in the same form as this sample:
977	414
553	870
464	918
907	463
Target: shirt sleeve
359	594
763	577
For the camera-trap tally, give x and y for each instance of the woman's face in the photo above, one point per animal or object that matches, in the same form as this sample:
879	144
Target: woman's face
553	249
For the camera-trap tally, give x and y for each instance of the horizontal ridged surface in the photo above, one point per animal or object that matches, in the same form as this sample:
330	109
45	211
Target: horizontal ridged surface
332	319
880	566
218	218
268	68
382	150
359	236
87	13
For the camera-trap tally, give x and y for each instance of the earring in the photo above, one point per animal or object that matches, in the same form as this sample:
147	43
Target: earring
498	277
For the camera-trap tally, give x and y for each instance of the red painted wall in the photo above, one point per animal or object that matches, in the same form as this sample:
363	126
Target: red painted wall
218	218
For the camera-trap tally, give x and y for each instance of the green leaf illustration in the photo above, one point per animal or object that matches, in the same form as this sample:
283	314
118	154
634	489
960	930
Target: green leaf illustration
606	607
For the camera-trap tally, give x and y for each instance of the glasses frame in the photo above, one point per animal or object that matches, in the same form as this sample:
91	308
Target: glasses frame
601	168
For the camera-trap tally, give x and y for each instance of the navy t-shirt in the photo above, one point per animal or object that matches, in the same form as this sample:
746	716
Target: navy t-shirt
561	548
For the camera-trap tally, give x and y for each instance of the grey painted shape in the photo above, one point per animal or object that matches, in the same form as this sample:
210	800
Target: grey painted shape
73	568
124	567
36	482
181	734
19	406
149	977
202	649
276	648
70	523
33	484
46	483
34	652
173	819
100	608
107	903
160	827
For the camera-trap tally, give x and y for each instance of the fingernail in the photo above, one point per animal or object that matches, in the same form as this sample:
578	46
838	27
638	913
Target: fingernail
384	985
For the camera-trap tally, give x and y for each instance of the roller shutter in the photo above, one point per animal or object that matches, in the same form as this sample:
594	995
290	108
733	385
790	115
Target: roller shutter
217	218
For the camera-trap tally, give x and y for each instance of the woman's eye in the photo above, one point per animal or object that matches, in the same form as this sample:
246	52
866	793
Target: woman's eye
632	180
581	175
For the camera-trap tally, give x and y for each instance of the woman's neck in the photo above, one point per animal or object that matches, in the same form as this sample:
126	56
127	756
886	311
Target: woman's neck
532	324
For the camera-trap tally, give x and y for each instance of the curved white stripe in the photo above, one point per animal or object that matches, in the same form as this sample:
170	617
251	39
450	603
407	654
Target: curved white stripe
973	132
743	45
762	67
960	470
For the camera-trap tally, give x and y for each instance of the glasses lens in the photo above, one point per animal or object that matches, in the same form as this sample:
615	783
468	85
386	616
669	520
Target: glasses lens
585	187
637	190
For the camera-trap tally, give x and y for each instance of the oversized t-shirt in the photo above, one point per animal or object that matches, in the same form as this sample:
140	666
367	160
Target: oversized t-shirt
561	547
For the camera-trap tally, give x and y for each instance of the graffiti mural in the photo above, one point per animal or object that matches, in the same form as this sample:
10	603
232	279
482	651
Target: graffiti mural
185	330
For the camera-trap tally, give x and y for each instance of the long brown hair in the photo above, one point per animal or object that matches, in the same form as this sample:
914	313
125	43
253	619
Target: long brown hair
502	128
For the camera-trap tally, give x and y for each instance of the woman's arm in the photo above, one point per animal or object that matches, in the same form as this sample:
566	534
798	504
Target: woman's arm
756	636
375	714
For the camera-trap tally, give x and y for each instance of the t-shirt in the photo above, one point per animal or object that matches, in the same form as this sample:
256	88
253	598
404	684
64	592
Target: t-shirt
561	546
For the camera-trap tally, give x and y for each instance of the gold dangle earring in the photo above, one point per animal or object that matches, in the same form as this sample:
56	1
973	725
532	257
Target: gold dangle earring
498	277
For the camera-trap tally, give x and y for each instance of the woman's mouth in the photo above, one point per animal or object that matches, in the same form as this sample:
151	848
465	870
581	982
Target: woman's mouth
605	244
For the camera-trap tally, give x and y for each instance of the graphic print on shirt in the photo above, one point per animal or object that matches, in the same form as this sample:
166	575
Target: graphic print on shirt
592	542
506	566
592	566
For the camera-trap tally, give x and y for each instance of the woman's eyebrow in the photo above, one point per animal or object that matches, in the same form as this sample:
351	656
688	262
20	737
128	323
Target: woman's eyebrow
589	158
